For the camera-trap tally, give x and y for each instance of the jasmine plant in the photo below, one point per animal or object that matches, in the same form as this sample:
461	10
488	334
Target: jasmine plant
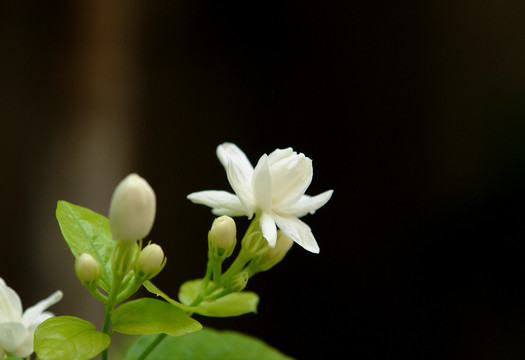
114	260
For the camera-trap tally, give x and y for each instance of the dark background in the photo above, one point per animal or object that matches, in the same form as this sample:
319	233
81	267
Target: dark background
413	112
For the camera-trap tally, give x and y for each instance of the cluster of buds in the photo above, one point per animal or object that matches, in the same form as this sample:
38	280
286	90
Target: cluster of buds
131	216
255	256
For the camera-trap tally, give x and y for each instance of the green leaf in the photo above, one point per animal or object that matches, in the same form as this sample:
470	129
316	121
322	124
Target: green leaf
208	344
68	338
152	288
151	316
189	291
234	304
13	358
85	231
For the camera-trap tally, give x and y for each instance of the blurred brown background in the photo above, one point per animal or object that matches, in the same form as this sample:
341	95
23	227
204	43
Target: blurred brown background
412	111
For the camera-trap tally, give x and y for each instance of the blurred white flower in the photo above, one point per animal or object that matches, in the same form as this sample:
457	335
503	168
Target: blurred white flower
275	189
17	329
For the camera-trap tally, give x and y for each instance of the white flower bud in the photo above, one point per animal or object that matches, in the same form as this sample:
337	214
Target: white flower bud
150	261
132	209
222	236
88	270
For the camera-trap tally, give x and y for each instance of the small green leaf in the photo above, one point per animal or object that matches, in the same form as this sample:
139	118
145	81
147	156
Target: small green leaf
68	338
189	291
234	304
208	344
151	316
13	358
152	288
85	231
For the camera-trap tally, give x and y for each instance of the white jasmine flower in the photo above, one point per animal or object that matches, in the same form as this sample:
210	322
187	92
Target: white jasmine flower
275	189
17	329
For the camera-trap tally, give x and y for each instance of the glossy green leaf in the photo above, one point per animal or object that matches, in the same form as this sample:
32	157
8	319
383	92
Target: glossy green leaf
68	338
152	316
210	345
85	231
234	304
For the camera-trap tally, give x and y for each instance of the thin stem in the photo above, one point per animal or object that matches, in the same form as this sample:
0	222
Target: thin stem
111	302
98	295
151	346
217	272
207	277
237	265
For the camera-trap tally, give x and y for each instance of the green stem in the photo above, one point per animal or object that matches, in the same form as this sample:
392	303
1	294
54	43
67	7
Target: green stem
117	281
207	276
151	346
121	258
217	272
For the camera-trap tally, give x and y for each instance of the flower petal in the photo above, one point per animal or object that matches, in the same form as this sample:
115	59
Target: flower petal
241	185
33	313
10	304
223	202
227	152
298	231
262	185
291	176
239	171
309	204
26	347
12	335
268	228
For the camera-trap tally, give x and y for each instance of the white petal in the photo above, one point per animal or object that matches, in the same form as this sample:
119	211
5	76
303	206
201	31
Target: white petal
26	347
227	152
298	231
222	202
32	314
262	185
239	171
240	182
309	204
12	335
268	228
291	176
230	212
279	154
10	304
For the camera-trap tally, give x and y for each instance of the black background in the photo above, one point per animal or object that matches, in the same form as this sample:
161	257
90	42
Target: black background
413	112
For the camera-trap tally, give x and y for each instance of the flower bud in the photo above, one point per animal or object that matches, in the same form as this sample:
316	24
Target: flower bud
238	282
132	209
88	270
254	244
222	237
272	256
150	261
